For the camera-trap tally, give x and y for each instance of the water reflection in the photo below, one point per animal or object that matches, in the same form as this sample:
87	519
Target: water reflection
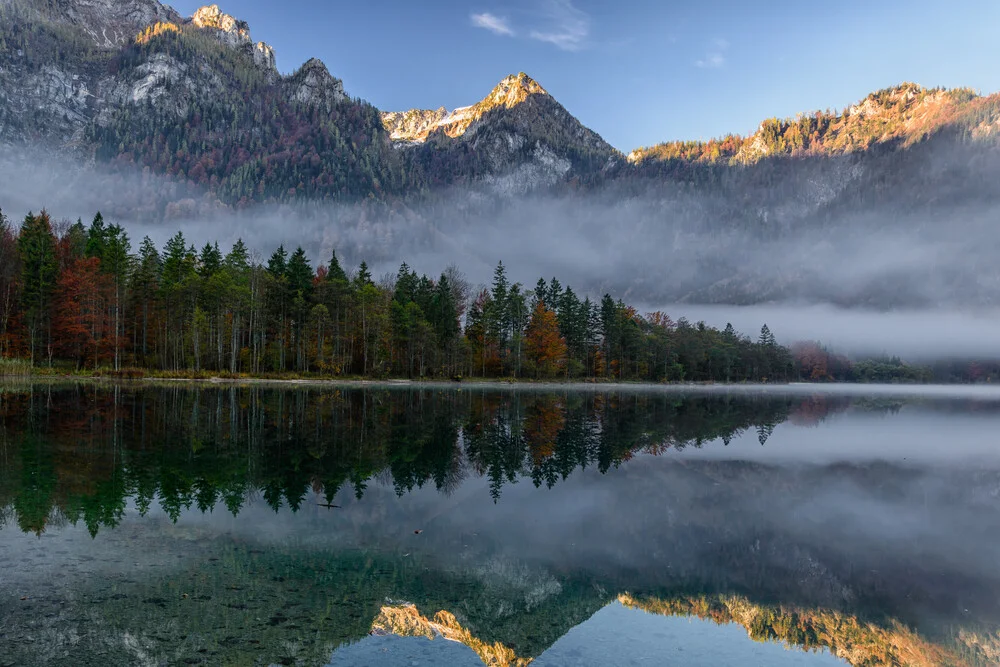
180	524
80	451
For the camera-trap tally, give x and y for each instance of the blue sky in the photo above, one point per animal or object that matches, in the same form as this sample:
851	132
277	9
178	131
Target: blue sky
637	72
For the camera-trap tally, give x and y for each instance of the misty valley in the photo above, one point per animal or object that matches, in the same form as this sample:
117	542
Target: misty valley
158	523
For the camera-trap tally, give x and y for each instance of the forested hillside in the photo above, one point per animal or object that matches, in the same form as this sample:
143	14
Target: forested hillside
246	134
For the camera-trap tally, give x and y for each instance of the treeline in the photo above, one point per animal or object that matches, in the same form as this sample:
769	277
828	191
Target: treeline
78	296
817	363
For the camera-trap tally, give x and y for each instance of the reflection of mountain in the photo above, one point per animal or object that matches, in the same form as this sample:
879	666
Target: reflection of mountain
279	604
406	620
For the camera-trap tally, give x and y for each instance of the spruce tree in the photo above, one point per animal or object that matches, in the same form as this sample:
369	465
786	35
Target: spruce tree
39	272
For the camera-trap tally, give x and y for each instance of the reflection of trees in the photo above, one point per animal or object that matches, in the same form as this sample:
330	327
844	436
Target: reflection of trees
86	449
811	410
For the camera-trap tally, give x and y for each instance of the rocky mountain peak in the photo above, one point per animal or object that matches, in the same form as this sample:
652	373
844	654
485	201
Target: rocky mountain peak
234	33
313	84
905	114
513	90
416	125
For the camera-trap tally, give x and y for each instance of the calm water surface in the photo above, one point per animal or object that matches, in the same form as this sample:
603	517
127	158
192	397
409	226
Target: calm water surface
398	525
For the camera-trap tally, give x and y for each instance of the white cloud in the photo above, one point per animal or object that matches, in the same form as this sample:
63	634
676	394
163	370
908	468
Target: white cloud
712	60
716	56
568	27
495	24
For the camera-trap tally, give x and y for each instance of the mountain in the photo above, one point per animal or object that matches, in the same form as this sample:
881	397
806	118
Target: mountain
194	99
518	130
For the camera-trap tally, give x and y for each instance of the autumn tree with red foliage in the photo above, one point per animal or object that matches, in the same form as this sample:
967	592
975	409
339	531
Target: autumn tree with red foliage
818	364
79	323
545	347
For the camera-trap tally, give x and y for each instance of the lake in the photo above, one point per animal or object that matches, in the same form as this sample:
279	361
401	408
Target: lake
163	524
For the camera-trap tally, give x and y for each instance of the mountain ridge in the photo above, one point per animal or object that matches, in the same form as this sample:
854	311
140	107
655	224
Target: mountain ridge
906	113
116	57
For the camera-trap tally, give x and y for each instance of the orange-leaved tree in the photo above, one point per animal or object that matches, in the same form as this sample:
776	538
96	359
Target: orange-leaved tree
79	325
545	347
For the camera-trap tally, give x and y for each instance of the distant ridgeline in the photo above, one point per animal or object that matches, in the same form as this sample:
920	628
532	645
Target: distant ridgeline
195	99
82	299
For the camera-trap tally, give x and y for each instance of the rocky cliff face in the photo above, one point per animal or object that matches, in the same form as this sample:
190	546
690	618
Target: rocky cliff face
415	125
110	24
234	33
69	66
313	84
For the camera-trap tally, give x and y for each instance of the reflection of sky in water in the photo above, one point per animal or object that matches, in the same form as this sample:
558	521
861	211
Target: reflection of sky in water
613	637
915	437
617	635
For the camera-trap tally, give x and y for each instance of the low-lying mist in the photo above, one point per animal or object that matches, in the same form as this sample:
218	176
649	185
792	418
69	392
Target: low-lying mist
919	284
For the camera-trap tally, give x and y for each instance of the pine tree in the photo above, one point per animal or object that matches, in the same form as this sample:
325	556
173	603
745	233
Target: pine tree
766	337
174	254
10	270
299	276
364	276
145	283
39	272
96	237
76	241
115	262
277	265
498	314
335	271
238	259
209	261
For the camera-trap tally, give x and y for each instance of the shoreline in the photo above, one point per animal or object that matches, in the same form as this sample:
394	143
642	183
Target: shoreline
988	391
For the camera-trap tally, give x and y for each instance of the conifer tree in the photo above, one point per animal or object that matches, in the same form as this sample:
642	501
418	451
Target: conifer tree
39	273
